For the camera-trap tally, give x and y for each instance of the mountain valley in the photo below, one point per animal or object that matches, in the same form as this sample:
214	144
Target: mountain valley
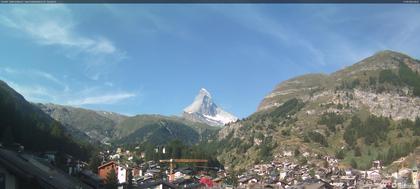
365	112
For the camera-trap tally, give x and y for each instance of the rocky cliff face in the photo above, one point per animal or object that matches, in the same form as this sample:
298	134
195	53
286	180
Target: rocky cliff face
313	113
397	103
204	110
300	87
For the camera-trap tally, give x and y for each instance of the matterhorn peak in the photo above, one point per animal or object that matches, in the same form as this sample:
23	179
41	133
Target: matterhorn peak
202	102
204	92
204	110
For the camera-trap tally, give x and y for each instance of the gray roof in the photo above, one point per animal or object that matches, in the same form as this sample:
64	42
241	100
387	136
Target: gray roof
153	184
35	170
91	175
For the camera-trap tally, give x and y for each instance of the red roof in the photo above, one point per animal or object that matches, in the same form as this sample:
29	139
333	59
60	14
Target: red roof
106	164
206	181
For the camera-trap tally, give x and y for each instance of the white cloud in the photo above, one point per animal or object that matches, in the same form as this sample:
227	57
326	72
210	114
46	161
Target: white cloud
39	93
37	86
36	74
103	46
54	25
102	99
32	92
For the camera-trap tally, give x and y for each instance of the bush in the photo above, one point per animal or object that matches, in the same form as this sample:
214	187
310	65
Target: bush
405	76
373	130
331	120
285	132
289	107
353	164
339	154
318	138
387	76
357	151
396	151
410	78
349	84
111	181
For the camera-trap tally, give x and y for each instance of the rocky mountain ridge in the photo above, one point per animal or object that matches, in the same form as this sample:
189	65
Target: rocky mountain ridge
312	86
320	113
204	110
25	124
97	125
110	127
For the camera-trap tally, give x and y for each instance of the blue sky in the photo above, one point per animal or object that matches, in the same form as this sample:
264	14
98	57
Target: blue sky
147	59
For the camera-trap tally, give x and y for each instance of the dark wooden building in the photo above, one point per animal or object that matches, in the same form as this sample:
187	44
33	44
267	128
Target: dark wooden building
20	170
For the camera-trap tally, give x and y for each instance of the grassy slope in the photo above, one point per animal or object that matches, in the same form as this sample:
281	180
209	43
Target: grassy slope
243	153
26	124
82	119
160	129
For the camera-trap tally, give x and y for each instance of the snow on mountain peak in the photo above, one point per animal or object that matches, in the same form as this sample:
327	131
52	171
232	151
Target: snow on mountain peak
204	110
201	101
204	92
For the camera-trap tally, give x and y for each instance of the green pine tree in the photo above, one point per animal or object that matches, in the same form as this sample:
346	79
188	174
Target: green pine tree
130	179
56	130
7	137
111	181
353	164
94	162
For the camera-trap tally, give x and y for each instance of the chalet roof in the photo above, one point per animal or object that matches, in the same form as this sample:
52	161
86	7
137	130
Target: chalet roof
153	171
245	179
34	170
152	184
315	186
106	164
50	152
414	167
91	175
